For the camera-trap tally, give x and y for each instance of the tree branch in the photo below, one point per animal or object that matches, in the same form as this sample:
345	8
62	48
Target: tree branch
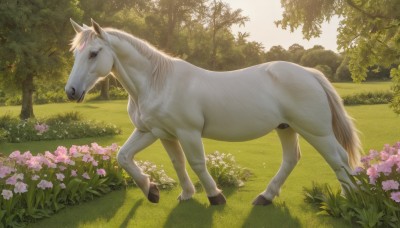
370	15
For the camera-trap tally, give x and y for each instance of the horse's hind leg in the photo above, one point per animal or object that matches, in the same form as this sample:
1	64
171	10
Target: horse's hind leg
177	157
291	155
333	153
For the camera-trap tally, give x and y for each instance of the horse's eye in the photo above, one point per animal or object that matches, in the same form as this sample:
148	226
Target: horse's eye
93	54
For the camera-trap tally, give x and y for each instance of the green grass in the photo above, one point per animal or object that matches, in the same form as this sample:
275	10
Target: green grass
129	208
347	88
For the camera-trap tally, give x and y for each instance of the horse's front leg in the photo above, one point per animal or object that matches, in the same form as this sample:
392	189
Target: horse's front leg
177	157
192	146
135	143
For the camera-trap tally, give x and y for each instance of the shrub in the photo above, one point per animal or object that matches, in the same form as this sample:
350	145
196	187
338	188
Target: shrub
157	175
368	98
374	201
225	171
63	126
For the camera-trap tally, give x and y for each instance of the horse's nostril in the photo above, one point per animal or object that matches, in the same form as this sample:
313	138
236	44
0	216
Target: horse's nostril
73	91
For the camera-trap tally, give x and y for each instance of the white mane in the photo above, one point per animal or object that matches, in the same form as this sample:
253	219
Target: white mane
162	63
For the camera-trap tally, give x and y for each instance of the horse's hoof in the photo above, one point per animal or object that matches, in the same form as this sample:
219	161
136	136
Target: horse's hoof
261	201
154	193
217	200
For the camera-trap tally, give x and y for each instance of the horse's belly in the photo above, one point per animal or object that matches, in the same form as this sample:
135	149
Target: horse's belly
243	130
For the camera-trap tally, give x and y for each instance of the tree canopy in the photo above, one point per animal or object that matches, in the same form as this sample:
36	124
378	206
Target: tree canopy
369	32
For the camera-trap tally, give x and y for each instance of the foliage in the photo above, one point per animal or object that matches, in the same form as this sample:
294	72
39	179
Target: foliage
69	125
34	187
372	199
157	175
33	38
115	93
225	171
368	98
369	31
395	104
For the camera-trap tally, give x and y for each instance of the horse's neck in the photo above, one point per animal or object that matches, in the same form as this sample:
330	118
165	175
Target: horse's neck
130	70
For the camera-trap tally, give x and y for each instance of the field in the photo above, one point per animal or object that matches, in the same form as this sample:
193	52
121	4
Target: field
129	208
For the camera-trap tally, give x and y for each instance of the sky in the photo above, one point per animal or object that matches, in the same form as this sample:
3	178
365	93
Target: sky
263	13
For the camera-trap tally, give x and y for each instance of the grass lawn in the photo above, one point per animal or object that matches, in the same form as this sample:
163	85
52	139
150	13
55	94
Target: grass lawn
347	88
129	208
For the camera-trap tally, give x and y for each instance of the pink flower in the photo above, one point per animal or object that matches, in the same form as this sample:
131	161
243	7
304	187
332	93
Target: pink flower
84	149
373	174
43	184
62	186
5	171
101	172
390	185
34	163
73	173
14	179
62	168
87	158
7	194
20	187
105	157
114	147
384	155
358	170
86	176
73	151
18	157
95	163
385	167
60	176
41	128
395	196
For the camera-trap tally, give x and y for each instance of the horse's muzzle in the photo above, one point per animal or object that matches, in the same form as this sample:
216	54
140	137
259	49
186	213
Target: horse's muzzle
73	95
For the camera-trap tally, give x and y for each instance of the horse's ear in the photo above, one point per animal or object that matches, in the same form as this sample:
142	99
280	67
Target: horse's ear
99	31
76	27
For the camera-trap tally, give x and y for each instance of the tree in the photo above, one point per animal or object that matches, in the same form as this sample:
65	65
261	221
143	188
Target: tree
313	57
276	53
34	37
221	17
296	51
369	32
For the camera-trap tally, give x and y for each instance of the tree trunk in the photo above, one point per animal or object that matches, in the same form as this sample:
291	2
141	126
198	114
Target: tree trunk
27	98
105	87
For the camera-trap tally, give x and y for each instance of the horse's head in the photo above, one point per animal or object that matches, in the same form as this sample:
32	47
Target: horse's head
93	60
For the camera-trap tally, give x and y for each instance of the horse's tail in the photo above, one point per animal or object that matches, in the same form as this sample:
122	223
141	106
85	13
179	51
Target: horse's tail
343	126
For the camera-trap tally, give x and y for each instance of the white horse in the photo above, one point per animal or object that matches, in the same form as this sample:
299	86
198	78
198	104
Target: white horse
179	103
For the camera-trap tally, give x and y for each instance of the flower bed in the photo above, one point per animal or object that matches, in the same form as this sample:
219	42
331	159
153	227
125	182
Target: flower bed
70	125
33	187
375	199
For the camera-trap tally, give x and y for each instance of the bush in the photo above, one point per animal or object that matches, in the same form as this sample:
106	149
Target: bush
157	175
33	187
368	98
375	199
225	171
63	126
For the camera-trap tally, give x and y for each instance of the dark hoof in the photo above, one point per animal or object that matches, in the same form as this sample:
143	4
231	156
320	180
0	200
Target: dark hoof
154	193
217	200
261	201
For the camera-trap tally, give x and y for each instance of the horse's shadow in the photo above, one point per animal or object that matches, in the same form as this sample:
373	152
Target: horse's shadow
196	214
183	214
274	215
